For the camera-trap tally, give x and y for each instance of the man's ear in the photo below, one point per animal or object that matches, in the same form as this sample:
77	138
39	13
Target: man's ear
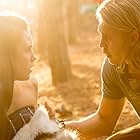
134	37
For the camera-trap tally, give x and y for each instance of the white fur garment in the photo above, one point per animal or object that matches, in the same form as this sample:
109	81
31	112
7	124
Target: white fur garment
40	123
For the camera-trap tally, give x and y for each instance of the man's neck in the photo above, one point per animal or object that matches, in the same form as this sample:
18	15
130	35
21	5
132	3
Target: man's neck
133	72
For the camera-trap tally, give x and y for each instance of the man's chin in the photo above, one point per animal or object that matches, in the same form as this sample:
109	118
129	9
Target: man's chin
112	62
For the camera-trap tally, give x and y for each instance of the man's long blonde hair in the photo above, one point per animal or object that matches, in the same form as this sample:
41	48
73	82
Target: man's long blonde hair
123	15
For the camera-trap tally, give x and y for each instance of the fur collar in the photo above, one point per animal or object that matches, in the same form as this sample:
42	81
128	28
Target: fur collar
40	123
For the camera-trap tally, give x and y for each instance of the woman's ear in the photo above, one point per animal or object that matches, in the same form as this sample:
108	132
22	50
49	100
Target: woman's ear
134	37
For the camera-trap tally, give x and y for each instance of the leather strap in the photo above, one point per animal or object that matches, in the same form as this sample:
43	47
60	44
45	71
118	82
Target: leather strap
18	119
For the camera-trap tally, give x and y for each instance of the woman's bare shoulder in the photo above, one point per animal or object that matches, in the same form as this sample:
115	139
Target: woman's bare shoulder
24	94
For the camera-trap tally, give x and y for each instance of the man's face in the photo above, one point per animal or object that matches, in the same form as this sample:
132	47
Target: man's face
114	43
23	57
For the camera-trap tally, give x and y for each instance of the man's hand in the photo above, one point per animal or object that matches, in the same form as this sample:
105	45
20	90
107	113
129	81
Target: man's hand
50	111
102	122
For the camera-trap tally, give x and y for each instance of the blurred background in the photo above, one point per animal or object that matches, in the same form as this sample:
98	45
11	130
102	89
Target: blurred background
69	59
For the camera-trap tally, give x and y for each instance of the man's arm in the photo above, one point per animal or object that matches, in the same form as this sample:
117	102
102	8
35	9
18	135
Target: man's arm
102	122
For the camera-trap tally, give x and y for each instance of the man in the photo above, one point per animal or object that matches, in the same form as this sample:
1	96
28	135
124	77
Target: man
119	27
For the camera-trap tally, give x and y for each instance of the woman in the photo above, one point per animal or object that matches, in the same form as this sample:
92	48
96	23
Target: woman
16	60
19	117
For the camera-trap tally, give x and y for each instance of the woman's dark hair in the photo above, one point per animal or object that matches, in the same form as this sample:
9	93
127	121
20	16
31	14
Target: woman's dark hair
11	28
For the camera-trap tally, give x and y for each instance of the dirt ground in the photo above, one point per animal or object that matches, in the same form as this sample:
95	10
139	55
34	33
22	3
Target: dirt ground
80	96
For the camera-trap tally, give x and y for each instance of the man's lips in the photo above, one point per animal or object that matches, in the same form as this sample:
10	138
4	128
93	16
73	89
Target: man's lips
108	55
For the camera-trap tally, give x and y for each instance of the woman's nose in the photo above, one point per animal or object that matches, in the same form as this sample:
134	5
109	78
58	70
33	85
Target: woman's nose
33	57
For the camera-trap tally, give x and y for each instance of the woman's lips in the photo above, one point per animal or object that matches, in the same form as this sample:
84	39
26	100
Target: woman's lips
31	68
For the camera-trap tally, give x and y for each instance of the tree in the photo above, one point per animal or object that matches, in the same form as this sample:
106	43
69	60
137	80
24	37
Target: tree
72	14
52	39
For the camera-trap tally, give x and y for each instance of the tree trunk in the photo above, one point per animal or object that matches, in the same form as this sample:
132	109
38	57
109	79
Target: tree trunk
72	14
54	40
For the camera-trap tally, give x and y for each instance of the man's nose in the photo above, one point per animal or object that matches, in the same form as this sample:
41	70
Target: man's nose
101	43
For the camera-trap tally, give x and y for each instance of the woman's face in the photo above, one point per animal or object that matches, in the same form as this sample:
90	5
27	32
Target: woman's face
23	57
114	43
